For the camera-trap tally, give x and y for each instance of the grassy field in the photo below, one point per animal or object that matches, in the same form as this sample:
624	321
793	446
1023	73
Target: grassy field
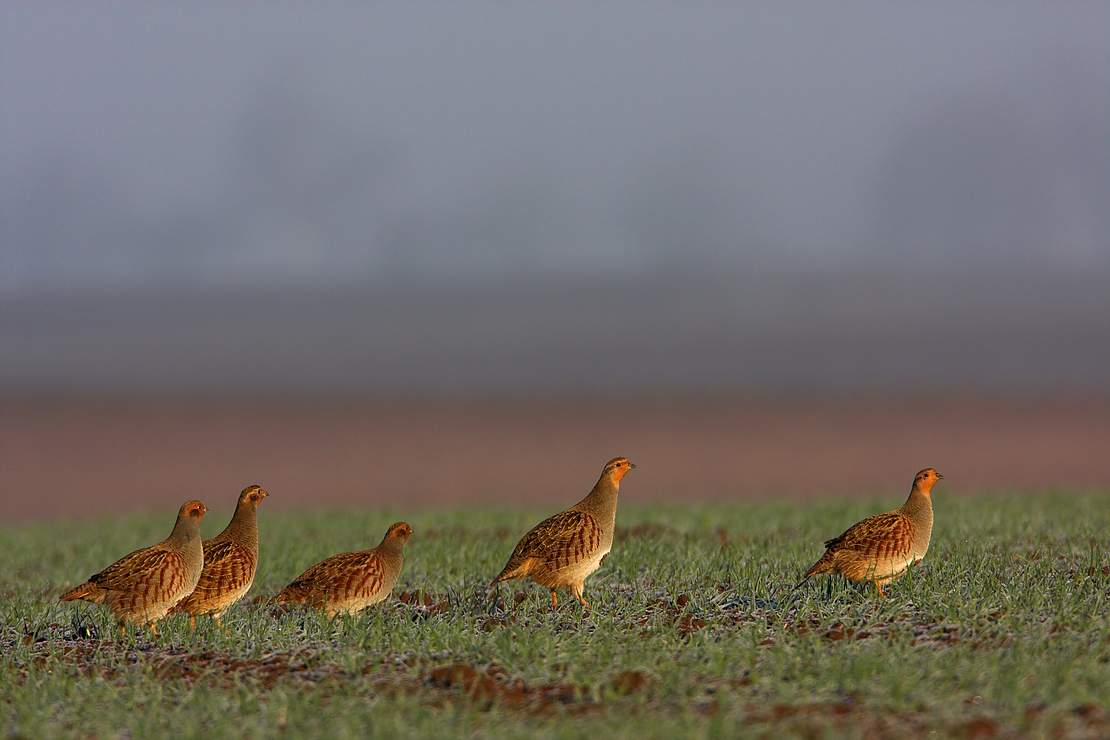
1004	630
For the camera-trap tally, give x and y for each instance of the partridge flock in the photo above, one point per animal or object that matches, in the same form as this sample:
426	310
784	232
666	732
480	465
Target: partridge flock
184	575
230	560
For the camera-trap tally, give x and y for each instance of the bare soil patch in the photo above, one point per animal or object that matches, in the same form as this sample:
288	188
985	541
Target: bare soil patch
490	686
116	454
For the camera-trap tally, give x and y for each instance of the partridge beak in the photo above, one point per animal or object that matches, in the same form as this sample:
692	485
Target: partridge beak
939	476
631	465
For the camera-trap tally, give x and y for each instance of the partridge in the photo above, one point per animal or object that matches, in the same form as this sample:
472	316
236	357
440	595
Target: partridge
141	587
351	581
881	547
230	562
565	549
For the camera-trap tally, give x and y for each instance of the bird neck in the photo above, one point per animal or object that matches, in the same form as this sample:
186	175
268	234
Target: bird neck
919	505
602	500
392	546
185	530
243	527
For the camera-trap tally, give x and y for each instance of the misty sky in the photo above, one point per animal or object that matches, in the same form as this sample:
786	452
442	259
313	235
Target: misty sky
208	146
570	197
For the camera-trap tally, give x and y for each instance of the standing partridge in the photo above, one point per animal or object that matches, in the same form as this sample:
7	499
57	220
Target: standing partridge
141	587
351	581
563	550
881	547
230	561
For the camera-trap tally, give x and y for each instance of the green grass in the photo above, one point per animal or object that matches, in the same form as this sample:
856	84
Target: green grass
694	631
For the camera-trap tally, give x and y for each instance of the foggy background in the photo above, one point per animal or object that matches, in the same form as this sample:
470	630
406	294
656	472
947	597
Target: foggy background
571	200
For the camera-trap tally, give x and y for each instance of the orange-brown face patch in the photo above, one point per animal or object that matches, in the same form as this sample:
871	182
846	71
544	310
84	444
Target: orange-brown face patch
926	479
401	530
620	469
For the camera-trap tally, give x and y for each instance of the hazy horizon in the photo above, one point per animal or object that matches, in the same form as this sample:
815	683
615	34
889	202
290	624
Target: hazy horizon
675	334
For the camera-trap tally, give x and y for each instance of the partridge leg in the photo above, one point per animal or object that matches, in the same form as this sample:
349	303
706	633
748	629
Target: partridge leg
192	622
554	600
577	590
219	620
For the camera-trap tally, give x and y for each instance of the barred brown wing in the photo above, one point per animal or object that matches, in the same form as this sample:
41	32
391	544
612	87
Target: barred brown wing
561	540
228	567
139	570
882	536
346	575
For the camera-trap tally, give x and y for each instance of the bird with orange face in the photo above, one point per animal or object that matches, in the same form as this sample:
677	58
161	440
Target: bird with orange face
230	562
141	587
562	551
881	547
349	582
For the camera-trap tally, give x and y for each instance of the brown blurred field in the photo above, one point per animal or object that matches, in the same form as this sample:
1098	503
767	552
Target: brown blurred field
79	457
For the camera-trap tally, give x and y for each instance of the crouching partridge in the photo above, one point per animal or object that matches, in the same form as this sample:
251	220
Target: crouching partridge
351	581
881	547
562	551
141	587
